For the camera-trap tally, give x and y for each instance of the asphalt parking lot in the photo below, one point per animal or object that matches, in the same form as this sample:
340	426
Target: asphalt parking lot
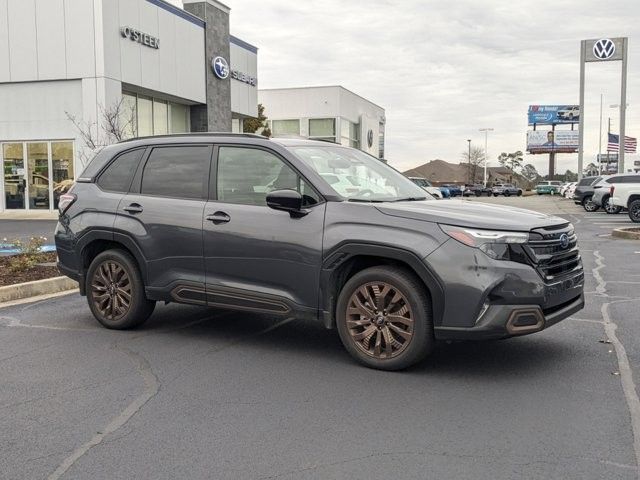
200	393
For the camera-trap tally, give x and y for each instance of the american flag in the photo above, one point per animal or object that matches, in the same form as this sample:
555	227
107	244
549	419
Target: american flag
630	144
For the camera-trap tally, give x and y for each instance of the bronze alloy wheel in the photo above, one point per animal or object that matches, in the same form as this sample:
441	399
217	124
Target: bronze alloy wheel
111	290
380	320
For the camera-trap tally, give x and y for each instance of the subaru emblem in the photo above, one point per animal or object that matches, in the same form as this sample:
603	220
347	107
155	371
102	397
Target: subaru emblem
564	241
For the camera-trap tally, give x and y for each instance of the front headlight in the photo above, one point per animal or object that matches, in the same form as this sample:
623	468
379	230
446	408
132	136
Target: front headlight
495	243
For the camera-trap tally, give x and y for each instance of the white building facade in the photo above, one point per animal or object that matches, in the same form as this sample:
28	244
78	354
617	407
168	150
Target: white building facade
330	113
67	65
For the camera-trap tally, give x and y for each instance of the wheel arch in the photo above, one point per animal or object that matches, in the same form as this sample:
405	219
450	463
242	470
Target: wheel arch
632	198
97	242
351	258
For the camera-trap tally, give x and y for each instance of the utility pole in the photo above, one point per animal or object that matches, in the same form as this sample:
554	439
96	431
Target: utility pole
486	154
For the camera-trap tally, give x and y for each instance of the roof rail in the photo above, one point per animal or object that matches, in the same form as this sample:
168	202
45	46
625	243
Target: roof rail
197	134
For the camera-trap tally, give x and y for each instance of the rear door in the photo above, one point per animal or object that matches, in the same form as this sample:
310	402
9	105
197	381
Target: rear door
258	258
163	215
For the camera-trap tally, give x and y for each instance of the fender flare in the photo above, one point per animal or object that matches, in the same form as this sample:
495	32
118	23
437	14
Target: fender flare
347	250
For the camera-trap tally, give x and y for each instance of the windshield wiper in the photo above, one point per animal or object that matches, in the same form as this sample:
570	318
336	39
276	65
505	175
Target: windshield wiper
409	199
364	200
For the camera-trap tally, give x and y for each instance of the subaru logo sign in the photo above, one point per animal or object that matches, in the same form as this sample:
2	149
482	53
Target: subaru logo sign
220	67
564	241
604	49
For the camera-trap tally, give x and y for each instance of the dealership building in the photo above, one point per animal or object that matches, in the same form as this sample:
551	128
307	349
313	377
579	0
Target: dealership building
66	66
330	113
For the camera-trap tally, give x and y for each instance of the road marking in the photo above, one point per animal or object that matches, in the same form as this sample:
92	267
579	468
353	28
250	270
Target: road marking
151	388
626	374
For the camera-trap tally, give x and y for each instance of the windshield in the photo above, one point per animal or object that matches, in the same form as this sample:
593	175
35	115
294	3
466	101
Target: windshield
358	176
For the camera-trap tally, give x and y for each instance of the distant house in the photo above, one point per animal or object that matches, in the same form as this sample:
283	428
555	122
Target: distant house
440	172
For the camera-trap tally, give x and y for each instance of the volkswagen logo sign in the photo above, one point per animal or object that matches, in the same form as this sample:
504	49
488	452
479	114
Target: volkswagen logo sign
220	67
370	138
604	49
564	241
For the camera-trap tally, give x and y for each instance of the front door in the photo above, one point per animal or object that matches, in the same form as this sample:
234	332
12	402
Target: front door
163	214
258	258
15	175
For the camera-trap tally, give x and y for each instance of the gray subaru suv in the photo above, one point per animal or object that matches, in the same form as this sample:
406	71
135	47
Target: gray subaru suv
310	230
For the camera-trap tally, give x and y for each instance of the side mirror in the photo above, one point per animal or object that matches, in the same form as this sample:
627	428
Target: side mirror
287	201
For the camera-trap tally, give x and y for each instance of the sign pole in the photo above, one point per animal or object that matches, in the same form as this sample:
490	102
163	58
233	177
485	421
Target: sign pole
583	45
623	106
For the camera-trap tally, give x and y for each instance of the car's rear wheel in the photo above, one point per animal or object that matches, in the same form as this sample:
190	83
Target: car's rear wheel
495	194
609	207
634	211
519	193
384	318
506	193
115	291
589	205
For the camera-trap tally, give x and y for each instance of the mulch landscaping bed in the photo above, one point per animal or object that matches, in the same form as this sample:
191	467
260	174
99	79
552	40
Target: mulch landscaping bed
37	272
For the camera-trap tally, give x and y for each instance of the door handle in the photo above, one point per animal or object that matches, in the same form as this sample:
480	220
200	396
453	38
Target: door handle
218	218
133	208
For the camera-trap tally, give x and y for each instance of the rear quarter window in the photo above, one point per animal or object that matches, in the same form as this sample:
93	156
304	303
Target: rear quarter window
118	175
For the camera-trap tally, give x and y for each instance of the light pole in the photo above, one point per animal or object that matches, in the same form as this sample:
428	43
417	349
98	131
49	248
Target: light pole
486	154
469	162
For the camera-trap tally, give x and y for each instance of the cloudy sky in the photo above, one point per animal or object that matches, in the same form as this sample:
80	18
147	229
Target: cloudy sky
444	69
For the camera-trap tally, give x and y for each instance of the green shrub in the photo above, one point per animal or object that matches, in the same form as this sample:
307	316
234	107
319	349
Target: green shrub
29	255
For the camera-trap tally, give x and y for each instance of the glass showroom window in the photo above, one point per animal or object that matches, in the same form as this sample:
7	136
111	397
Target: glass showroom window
285	127
143	116
381	140
36	174
349	132
323	129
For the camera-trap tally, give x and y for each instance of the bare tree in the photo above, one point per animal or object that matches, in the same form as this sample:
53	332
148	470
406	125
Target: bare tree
474	162
114	123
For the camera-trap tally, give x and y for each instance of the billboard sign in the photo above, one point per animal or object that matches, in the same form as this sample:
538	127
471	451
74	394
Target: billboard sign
560	141
553	114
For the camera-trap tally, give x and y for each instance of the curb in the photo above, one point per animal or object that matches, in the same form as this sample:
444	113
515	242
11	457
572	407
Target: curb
628	233
36	288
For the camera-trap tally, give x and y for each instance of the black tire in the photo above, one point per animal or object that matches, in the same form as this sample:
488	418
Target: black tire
495	194
610	208
478	193
634	211
519	193
115	274
588	205
413	296
507	194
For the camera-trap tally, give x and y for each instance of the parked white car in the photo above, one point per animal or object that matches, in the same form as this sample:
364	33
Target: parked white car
568	193
426	185
626	194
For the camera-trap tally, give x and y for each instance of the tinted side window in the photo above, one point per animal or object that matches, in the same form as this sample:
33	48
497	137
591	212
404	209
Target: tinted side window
246	175
631	179
585	181
180	172
117	177
614	180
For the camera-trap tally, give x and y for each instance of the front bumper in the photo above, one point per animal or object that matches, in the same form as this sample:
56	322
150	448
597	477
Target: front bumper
503	321
486	298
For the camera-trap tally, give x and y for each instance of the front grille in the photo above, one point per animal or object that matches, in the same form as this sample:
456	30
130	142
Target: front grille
552	257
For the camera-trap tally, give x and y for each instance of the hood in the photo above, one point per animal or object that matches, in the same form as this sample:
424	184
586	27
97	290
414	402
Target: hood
465	213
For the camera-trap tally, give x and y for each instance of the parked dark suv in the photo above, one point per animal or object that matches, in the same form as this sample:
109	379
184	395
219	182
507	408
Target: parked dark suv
583	194
307	229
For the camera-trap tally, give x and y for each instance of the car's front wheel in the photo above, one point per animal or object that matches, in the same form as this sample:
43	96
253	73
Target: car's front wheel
589	205
384	320
634	211
115	291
